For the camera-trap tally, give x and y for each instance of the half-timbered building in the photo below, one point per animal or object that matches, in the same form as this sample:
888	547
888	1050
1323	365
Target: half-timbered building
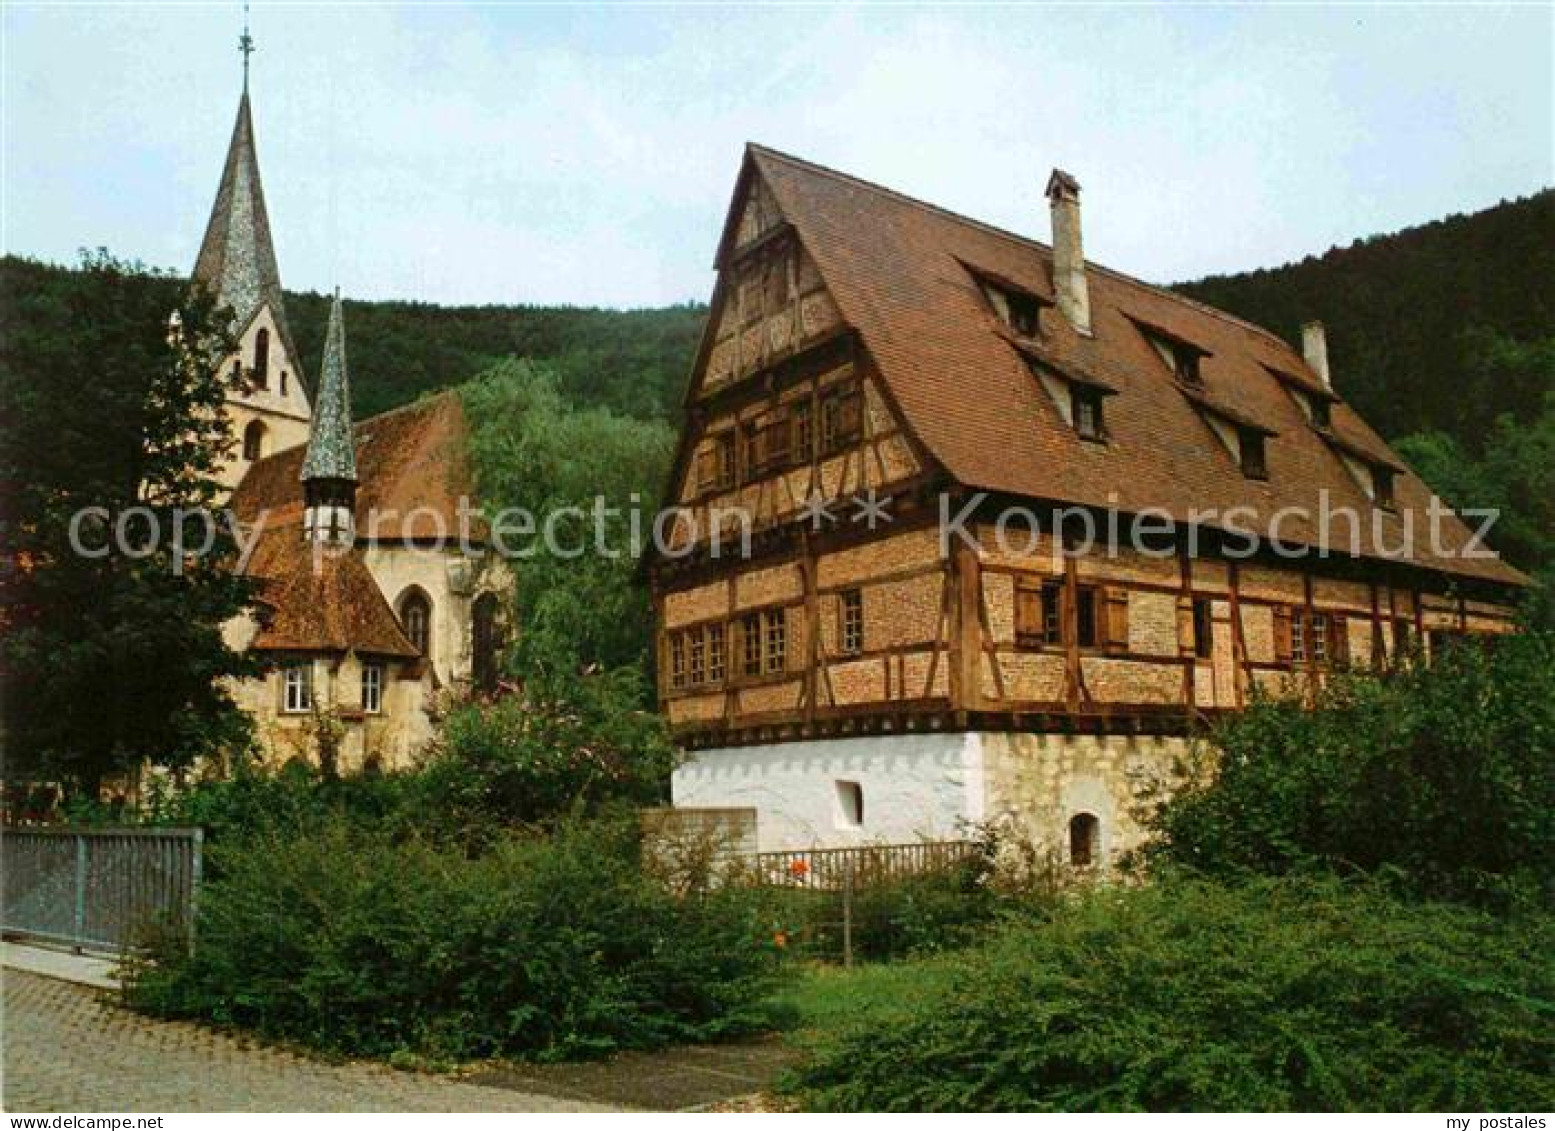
967	527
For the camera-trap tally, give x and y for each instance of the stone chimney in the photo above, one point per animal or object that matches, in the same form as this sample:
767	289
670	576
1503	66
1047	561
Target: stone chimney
1074	298
1314	347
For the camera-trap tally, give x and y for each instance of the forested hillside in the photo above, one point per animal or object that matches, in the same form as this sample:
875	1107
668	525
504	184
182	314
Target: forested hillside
632	361
1410	315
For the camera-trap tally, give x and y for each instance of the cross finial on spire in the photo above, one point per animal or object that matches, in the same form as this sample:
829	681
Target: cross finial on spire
245	45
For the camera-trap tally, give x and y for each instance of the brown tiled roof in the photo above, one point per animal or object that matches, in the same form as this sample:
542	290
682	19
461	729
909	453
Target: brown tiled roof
319	599
412	467
901	271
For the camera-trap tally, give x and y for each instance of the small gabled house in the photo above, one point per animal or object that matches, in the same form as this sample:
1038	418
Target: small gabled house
881	612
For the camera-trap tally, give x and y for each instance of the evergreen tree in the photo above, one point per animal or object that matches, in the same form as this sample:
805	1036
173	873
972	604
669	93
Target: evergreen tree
115	655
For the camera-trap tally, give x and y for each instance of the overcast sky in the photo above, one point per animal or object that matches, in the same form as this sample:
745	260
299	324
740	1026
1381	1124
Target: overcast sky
586	154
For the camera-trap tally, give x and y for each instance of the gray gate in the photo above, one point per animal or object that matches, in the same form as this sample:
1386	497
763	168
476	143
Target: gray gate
98	889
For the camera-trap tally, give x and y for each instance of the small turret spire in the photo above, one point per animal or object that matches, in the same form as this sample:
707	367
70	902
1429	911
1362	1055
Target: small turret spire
329	465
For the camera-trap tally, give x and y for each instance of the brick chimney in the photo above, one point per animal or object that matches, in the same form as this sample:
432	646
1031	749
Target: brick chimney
1314	347
1074	298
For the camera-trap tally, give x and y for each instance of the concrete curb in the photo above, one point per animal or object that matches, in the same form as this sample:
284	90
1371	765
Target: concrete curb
61	965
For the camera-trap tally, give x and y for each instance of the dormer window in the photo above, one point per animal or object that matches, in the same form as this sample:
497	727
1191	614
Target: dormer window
1025	314
1018	308
1078	398
1382	487
1255	464
1181	356
1185	364
1085	403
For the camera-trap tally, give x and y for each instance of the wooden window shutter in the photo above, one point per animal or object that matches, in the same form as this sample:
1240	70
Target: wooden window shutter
1282	647
774	440
1115	618
1186	643
707	468
1028	612
1339	642
852	413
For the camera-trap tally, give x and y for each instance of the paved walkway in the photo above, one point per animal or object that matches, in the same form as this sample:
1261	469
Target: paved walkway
66	1049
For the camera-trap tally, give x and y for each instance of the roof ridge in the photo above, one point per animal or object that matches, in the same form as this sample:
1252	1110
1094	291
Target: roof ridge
1005	233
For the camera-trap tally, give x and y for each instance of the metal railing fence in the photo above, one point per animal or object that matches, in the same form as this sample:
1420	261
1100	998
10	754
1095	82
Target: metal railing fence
98	889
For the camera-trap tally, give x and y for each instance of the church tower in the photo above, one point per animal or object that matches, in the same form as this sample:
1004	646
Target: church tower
267	401
329	466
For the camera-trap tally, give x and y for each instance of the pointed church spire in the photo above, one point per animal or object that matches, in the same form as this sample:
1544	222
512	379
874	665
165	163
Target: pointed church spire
329	465
237	258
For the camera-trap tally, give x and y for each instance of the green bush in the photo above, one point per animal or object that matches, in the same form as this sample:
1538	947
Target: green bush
894	916
1187	995
349	941
1443	771
520	760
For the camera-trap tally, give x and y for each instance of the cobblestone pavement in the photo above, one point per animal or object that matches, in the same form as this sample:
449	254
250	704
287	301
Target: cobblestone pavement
67	1049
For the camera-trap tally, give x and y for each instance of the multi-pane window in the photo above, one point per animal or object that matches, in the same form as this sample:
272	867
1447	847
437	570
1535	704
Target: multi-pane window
842	416
852	628
715	653
750	644
416	616
1085	406
1298	637
698	657
297	687
775	637
1203	629
372	688
1319	638
677	660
